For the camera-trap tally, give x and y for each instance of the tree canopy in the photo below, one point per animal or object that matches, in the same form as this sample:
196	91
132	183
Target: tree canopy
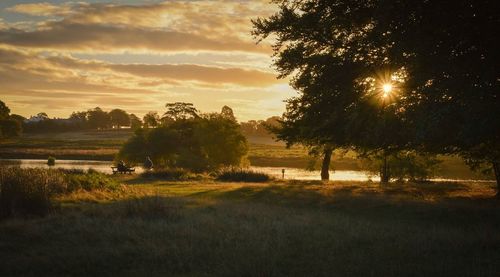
119	117
441	59
205	142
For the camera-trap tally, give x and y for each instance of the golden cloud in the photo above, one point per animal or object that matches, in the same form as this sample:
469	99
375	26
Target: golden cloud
41	9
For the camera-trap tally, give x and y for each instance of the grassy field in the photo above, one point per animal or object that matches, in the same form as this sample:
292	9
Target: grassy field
103	145
207	228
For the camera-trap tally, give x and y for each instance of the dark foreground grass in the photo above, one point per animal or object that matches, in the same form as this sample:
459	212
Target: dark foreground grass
282	229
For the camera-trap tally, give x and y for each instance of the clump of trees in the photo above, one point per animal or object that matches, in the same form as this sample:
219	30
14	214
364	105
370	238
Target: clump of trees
385	77
260	128
10	125
93	119
185	138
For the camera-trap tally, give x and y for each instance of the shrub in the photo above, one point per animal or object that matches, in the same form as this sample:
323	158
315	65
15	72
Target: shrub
169	174
242	175
51	161
90	181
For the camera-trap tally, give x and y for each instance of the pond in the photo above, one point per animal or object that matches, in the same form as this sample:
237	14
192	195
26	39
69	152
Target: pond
290	173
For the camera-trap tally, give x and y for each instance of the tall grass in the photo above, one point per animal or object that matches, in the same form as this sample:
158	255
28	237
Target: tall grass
169	174
242	175
28	191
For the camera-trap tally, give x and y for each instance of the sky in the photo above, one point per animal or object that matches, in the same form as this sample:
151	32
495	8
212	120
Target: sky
63	56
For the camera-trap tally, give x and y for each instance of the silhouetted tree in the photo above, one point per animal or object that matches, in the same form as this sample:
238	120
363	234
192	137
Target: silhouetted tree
227	112
135	122
119	118
315	45
151	119
199	143
18	118
99	119
4	110
10	128
79	116
179	111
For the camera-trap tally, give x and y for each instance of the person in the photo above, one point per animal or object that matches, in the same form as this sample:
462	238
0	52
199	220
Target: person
148	164
121	165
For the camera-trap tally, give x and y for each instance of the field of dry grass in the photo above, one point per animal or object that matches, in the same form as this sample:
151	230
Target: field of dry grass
207	228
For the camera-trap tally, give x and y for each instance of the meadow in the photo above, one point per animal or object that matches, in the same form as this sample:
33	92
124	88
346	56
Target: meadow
263	151
210	228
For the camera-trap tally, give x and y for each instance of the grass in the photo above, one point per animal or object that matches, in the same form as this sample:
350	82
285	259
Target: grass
30	191
177	174
242	175
207	228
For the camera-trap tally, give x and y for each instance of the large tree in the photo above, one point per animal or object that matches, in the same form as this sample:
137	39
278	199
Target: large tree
317	46
443	55
206	142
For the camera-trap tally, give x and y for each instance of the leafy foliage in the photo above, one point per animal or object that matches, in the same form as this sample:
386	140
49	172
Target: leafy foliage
197	143
441	57
119	117
403	165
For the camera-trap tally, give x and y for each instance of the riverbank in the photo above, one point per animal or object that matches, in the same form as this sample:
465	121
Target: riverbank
153	227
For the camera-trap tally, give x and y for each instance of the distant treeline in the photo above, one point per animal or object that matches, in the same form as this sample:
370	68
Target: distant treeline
99	119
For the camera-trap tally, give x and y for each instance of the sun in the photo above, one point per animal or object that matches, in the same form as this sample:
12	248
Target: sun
387	89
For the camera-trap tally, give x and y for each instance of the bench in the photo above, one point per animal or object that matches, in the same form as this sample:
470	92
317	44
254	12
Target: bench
125	170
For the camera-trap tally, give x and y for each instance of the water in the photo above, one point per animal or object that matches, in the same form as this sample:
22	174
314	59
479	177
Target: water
301	174
101	166
290	173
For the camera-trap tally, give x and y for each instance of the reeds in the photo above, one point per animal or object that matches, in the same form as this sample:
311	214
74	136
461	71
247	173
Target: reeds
242	175
29	191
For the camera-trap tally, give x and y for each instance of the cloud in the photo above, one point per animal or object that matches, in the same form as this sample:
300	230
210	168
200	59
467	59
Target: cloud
169	26
206	48
36	74
94	38
205	74
41	9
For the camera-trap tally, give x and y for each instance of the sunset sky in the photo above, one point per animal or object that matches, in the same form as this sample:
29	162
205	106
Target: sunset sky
60	56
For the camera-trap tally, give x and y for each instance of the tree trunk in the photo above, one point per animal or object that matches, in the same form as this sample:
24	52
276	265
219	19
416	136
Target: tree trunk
496	169
325	166
384	172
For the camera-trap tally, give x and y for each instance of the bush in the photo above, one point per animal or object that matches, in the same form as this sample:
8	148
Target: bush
169	174
90	181
403	165
51	161
242	175
28	191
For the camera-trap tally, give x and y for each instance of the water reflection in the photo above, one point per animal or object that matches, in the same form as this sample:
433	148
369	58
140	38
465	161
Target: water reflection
301	174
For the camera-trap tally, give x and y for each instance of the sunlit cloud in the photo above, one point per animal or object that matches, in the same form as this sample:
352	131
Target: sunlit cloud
67	56
41	9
